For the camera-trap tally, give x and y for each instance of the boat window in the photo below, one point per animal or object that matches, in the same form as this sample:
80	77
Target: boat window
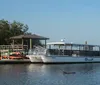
74	50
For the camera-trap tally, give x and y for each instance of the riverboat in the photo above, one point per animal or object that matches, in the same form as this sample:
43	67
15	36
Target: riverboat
62	52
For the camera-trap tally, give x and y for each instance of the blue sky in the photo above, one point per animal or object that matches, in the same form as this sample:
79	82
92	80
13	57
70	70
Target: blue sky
75	20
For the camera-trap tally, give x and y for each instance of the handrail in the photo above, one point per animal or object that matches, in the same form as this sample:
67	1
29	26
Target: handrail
12	46
38	50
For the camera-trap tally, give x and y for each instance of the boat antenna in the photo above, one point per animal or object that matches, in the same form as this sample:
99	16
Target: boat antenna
86	42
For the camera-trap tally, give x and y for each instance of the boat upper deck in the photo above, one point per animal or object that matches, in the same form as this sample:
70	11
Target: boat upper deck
63	48
70	44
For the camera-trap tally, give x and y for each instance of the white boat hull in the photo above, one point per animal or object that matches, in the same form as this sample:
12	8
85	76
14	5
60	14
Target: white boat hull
69	59
35	58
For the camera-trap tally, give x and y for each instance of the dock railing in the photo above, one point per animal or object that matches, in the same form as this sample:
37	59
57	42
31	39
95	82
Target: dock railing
13	47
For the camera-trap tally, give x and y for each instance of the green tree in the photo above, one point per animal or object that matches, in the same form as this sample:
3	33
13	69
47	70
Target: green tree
8	29
18	28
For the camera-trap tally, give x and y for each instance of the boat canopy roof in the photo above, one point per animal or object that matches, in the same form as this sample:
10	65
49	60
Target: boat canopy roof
70	44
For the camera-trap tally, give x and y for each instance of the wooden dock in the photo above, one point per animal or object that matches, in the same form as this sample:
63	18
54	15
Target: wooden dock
14	61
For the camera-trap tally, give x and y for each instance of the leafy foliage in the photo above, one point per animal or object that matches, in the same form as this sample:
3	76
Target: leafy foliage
8	29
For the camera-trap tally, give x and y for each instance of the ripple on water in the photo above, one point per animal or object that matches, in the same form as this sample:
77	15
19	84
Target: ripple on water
39	74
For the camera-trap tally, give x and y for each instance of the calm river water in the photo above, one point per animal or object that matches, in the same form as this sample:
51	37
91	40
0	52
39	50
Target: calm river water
51	74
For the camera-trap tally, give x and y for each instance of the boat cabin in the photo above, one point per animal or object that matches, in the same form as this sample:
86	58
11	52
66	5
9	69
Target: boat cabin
71	49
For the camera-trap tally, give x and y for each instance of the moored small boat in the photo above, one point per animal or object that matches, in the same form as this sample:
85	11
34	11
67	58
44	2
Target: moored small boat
35	55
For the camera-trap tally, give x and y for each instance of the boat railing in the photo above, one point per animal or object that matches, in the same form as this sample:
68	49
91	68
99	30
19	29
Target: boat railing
38	50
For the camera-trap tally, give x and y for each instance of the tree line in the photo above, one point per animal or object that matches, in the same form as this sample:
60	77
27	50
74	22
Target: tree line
10	29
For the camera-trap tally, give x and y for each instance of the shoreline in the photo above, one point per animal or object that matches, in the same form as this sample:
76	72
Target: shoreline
14	61
25	61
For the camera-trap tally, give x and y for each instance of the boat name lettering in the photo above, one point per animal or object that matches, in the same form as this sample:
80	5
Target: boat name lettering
88	59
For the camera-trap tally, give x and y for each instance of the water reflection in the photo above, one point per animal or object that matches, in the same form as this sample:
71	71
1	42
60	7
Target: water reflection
58	69
40	74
